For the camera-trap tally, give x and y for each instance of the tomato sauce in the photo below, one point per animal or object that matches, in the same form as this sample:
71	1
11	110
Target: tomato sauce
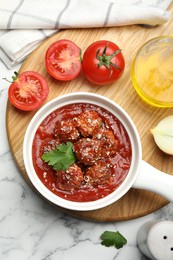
116	162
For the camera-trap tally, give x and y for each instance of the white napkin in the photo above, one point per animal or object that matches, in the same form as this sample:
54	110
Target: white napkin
25	23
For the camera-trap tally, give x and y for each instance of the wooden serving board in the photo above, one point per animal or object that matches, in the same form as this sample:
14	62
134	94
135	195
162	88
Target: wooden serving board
135	203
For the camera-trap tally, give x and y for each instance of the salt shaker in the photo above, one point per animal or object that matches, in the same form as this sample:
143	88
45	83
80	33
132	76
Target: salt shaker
155	240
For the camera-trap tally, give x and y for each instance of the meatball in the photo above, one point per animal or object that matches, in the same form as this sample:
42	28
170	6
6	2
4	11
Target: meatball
67	131
41	147
110	143
88	122
88	150
70	179
98	174
49	144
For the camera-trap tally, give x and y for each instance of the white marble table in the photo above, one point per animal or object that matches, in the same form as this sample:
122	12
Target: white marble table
32	229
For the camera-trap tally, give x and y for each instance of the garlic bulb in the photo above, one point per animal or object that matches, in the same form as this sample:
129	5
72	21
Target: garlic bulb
163	134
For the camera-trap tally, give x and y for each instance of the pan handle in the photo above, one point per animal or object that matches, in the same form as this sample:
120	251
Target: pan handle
154	180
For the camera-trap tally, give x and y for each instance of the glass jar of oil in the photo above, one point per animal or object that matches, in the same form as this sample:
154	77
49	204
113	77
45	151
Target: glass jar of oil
152	72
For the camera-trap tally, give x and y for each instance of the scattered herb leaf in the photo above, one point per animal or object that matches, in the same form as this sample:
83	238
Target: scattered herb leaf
61	157
110	238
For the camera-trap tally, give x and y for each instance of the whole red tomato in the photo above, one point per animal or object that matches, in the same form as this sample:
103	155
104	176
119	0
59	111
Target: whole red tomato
28	90
103	62
63	60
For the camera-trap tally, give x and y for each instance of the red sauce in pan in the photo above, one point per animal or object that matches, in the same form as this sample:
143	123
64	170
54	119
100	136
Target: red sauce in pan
101	146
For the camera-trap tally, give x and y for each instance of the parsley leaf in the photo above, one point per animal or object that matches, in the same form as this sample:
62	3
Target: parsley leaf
110	238
61	157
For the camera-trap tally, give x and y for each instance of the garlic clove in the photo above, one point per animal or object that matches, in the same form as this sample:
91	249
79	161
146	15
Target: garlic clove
163	135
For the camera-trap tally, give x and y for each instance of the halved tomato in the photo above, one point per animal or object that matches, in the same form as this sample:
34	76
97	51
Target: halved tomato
63	60
28	90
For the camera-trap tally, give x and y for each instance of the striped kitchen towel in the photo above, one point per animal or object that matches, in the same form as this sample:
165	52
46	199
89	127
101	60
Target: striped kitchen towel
25	23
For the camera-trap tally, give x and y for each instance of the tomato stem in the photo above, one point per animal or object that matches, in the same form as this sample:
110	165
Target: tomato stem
105	60
16	74
14	78
7	80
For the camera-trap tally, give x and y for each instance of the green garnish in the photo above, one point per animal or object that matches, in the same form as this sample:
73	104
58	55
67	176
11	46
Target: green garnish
61	157
110	238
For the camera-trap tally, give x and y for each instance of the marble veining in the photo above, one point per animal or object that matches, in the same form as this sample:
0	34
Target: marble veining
30	228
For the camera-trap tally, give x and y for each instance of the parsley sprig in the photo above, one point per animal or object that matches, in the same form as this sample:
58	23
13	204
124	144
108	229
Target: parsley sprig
110	238
61	157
